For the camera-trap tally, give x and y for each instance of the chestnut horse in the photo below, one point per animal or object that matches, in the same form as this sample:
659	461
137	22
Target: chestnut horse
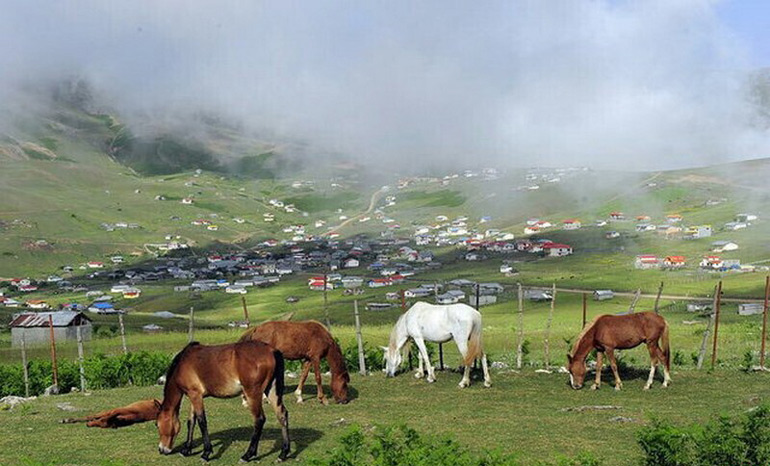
606	333
140	411
250	368
310	342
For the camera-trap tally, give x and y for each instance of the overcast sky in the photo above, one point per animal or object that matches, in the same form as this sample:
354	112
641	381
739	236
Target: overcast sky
608	84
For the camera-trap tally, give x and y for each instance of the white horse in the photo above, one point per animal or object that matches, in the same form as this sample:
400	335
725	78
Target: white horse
429	322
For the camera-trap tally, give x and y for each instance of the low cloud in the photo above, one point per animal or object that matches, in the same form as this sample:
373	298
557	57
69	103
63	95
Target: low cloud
609	84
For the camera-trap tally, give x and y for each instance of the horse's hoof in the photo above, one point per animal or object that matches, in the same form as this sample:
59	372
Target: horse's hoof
185	452
430	379
324	401
487	384
595	387
300	400
418	375
245	459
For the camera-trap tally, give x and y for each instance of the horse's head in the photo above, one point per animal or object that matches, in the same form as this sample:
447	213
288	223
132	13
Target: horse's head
168	428
577	371
339	386
392	360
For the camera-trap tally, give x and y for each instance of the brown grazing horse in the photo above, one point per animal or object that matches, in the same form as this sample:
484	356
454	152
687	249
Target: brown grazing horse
224	371
140	411
310	342
606	333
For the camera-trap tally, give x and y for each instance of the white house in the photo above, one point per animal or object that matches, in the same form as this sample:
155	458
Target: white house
722	246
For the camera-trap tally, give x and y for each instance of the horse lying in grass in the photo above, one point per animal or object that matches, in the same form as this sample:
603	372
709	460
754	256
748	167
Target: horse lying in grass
140	411
309	341
250	368
437	323
606	333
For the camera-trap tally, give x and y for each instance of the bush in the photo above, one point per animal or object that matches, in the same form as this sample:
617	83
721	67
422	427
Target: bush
402	445
745	441
141	368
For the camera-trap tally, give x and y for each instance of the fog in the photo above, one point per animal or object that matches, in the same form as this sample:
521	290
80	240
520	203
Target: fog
606	84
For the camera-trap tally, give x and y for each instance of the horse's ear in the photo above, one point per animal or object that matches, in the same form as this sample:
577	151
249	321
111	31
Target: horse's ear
157	404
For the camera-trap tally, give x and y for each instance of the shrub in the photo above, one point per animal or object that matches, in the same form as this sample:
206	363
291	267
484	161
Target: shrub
141	368
742	441
402	445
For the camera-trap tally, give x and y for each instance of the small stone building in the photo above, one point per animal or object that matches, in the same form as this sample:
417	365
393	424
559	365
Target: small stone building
34	327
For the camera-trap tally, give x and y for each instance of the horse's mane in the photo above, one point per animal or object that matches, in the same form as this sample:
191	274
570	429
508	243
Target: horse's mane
582	334
394	332
336	360
247	334
175	363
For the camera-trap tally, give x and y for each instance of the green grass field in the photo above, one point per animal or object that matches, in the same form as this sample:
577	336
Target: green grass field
522	413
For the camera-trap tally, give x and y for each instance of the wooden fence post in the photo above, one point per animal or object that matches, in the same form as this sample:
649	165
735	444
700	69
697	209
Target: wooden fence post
24	365
80	359
245	311
520	345
632	307
548	328
707	332
478	294
441	356
326	302
122	333
657	298
191	325
716	326
585	306
53	355
359	338
764	323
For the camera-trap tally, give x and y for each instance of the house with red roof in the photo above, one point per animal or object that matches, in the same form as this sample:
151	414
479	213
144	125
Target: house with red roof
557	249
674	262
646	261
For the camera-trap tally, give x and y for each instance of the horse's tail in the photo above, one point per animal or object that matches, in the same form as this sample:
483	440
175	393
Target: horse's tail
665	346
474	344
277	383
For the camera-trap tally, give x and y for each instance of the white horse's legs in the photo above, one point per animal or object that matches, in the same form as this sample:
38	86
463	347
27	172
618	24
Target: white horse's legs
487	378
420	367
424	355
462	345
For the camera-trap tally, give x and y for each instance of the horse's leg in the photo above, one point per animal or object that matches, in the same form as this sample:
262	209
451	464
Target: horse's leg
276	401
302	378
317	370
196	399
420	368
254	398
614	364
662	361
191	421
424	356
487	378
462	346
651	347
599	362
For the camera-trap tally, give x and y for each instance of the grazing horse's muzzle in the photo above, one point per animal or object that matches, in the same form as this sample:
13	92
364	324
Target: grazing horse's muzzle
163	450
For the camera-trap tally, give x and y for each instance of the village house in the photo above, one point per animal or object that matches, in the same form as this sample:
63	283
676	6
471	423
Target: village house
711	262
612	235
668	229
557	249
617	216
572	224
646	261
35	327
643	218
697	232
603	295
187	201
673	218
531	230
733	226
745	218
645	227
674	262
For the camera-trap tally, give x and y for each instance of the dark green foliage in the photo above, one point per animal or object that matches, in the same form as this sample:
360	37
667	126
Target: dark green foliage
723	441
402	445
373	357
444	198
261	166
162	155
141	368
320	202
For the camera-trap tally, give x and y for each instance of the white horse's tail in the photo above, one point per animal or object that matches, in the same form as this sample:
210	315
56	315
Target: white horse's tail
474	344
